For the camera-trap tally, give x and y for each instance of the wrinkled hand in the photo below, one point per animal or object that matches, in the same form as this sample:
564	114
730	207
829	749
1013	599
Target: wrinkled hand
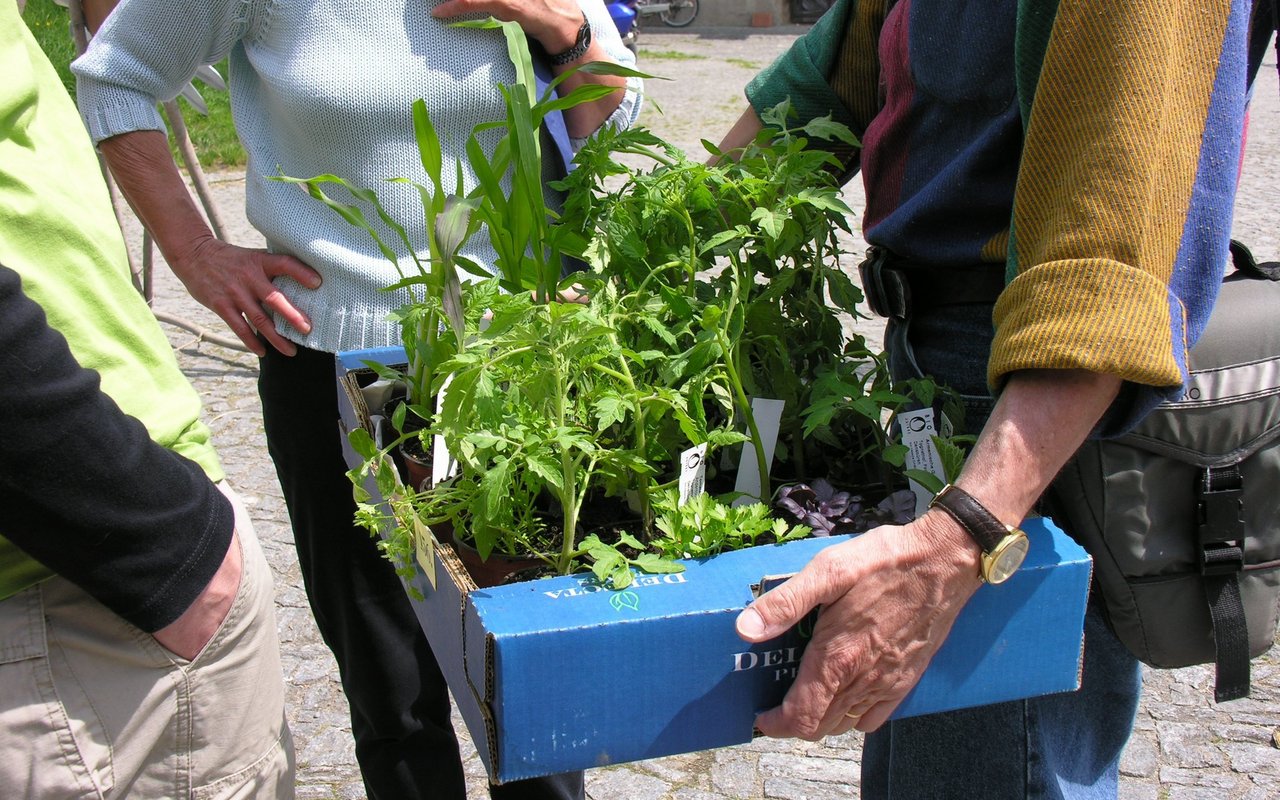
888	598
235	283
188	634
554	23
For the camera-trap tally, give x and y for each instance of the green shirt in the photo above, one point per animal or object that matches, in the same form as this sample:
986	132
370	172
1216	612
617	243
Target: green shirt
59	232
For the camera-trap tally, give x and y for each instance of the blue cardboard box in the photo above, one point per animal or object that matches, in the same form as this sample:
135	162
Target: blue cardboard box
562	674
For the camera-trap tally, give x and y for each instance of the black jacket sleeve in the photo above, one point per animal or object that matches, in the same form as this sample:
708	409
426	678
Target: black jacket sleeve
85	491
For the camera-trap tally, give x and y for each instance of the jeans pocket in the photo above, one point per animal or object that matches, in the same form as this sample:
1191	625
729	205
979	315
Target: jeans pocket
905	363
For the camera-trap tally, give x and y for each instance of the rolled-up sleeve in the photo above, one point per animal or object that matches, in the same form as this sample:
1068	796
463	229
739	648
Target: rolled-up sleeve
1123	205
802	74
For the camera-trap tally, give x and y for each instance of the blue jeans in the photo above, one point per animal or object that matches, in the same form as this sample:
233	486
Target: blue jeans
1064	746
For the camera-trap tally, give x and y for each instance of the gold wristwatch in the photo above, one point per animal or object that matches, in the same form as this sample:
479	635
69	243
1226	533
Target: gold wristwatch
1003	546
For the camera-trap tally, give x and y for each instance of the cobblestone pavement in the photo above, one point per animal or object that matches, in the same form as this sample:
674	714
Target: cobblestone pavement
1184	747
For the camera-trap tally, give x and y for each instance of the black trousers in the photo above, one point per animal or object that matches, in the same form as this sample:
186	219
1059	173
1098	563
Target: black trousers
400	712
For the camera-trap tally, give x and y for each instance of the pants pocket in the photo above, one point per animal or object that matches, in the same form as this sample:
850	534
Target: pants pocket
54	745
249	601
270	776
237	691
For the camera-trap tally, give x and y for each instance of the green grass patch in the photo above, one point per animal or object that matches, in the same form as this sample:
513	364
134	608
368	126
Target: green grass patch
742	62
669	55
214	136
49	24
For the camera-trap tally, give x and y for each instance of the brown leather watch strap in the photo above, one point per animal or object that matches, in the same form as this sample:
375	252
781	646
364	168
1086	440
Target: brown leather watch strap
981	524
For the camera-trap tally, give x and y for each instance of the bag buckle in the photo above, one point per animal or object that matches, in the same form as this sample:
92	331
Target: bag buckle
886	289
1220	514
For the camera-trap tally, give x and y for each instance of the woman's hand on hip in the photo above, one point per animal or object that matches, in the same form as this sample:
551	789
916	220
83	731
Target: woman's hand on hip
236	284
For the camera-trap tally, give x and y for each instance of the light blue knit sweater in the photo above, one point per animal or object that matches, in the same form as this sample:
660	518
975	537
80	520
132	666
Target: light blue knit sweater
319	86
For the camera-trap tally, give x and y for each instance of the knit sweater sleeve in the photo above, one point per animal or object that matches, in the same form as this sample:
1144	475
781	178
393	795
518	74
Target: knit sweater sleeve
84	489
800	75
157	46
1133	117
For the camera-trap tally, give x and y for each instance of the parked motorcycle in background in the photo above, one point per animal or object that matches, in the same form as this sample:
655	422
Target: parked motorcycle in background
674	13
627	21
627	14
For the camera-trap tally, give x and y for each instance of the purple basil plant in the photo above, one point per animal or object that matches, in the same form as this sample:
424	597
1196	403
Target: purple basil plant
830	512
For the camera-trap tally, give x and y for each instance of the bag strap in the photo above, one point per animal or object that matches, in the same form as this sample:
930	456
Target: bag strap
1221	524
1243	260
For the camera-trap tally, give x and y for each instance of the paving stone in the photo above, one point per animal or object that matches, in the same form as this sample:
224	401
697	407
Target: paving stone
326	748
825	770
688	770
1254	759
698	794
630	783
1184	743
1263	788
1238	732
1195	793
1133	790
1140	759
793	789
736	773
1178	776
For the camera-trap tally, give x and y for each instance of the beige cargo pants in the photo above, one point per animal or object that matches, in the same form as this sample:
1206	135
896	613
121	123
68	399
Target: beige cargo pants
92	707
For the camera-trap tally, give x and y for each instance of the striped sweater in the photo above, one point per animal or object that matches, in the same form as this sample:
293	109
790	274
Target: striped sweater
1090	146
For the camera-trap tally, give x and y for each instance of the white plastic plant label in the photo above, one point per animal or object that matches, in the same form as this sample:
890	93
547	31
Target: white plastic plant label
424	550
443	465
693	472
946	428
768	414
376	396
917	434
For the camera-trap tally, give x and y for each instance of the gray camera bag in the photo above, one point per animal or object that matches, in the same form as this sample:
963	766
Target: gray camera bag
1182	515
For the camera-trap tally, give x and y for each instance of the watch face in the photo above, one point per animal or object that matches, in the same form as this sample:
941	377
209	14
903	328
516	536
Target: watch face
1006	558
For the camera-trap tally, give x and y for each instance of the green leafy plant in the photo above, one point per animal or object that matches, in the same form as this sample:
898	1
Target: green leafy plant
707	285
705	525
530	248
748	246
549	412
853	404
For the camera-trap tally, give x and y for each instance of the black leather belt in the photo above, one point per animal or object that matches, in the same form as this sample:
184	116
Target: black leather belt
897	288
